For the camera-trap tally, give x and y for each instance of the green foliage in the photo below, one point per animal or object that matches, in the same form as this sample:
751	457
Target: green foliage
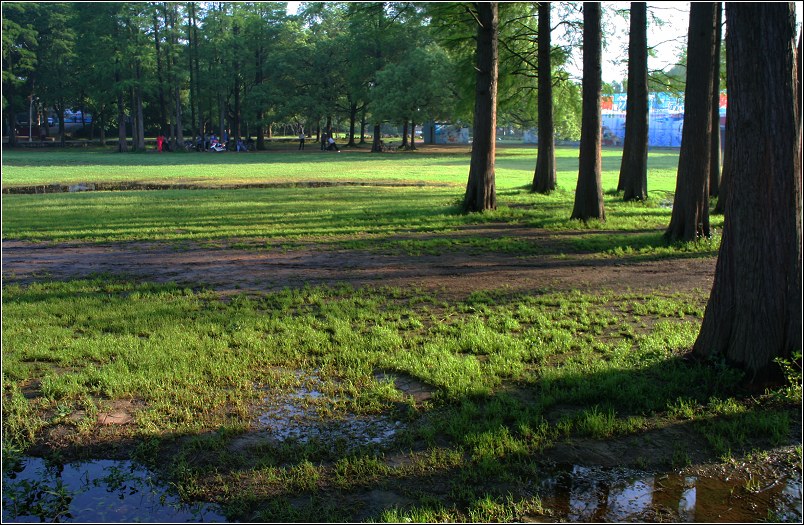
418	87
791	368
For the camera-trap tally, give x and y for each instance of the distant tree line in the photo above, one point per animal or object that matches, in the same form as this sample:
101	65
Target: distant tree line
184	68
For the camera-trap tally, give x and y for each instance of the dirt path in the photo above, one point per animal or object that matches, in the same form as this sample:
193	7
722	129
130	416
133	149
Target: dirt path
453	274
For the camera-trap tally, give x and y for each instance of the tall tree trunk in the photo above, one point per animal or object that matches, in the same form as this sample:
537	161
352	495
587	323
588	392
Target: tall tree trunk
714	160
236	131
11	112
754	311
376	147
122	145
363	126
260	130
11	119
412	135
798	76
178	137
194	51
193	93
159	77
179	125
725	173
544	178
720	206
690	218
102	129
404	144
140	118
352	123
60	107
634	166
258	79
481	192
222	117
589	191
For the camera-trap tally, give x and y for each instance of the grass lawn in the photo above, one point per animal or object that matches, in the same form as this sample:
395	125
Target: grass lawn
514	167
453	405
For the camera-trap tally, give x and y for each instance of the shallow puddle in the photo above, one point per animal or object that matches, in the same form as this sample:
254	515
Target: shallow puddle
294	417
93	491
612	495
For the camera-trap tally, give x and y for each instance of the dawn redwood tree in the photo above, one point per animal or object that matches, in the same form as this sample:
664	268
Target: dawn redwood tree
634	165
714	160
690	217
544	178
589	192
725	171
754	311
480	189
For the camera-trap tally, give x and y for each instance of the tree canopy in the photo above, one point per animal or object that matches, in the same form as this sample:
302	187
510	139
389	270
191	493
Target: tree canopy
185	68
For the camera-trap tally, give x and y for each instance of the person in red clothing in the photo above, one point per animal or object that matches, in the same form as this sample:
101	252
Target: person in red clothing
159	140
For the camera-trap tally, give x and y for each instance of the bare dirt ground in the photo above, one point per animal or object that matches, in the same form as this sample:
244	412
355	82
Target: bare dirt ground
452	274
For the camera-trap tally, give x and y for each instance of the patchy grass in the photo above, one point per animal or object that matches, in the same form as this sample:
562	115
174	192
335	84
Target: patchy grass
499	366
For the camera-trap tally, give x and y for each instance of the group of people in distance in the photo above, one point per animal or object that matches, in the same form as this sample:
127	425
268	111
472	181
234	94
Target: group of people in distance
327	142
211	142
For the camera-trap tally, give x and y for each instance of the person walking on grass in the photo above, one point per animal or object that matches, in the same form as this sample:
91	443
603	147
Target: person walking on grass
301	140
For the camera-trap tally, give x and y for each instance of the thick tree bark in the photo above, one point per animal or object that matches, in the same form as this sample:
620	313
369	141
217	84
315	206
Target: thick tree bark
589	192
754	311
481	192
714	159
412	135
690	218
544	178
634	165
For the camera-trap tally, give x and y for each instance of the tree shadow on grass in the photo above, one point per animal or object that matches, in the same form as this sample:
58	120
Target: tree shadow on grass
462	456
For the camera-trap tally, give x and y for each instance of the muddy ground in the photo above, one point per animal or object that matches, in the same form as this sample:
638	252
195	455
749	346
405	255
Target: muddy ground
452	274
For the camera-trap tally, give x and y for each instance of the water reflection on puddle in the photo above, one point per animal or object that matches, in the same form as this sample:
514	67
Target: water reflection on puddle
610	495
295	418
93	491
